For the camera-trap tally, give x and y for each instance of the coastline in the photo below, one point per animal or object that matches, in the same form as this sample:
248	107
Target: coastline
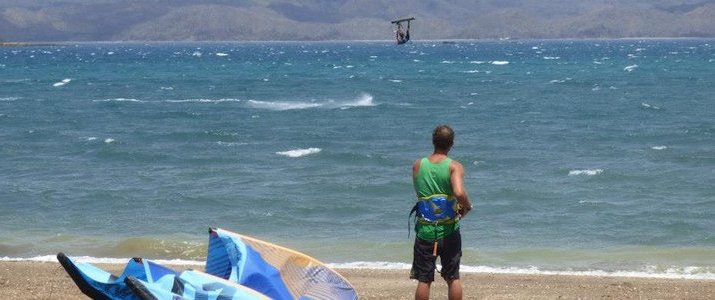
25	44
48	280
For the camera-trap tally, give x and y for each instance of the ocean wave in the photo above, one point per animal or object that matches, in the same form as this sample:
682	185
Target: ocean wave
561	80
201	100
62	82
119	100
690	272
9	98
361	101
687	272
105	260
630	68
649	106
299	152
500	62
16	80
585	172
282	105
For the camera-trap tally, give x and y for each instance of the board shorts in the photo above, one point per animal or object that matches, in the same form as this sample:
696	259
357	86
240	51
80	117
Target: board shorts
449	250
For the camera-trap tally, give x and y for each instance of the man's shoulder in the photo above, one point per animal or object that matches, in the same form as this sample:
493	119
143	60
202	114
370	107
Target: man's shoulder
455	164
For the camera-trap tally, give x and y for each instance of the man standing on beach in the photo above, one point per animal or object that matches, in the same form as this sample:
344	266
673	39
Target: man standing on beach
441	202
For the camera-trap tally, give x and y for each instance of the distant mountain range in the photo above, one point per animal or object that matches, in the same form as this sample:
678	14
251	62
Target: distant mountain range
228	20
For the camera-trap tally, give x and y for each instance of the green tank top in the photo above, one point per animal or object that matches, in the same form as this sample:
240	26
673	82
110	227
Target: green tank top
433	179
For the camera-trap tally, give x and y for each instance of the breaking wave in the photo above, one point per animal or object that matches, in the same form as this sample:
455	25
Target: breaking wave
299	152
363	100
62	82
585	172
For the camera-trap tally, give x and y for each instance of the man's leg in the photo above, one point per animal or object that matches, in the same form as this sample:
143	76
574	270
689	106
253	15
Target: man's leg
455	289
422	292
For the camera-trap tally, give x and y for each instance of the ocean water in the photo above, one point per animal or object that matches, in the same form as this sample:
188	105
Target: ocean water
582	157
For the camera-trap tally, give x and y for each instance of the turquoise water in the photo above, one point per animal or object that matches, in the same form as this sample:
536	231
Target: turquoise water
581	156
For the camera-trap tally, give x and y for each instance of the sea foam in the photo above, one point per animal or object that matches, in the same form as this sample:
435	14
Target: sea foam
585	172
62	82
670	273
282	105
690	272
299	152
361	101
630	68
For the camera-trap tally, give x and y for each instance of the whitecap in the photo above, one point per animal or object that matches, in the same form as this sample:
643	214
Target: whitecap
630	68
282	105
299	152
221	54
589	202
648	106
201	100
230	144
479	62
92	138
196	53
109	140
447	61
551	57
395	80
471	71
167	88
585	172
9	98
61	83
661	147
363	100
119	100
500	62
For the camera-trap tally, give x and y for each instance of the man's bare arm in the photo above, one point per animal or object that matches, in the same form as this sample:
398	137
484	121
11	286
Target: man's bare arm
457	178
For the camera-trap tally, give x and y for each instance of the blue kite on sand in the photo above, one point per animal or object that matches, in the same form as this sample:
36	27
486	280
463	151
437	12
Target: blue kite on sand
237	267
276	271
147	280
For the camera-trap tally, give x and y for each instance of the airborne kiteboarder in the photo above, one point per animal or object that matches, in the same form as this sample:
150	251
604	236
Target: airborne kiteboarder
402	36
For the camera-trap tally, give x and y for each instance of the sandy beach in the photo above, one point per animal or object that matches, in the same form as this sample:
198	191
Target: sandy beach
46	280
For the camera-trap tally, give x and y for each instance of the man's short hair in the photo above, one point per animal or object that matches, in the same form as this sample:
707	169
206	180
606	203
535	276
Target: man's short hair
443	137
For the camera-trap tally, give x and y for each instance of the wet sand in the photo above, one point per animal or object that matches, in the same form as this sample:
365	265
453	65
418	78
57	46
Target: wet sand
46	280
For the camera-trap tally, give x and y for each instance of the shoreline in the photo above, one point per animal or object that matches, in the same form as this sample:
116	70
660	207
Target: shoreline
26	44
48	280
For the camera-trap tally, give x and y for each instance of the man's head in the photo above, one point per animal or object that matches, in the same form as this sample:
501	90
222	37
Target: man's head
443	138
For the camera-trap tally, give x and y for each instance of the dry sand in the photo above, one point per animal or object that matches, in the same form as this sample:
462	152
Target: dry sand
38	280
